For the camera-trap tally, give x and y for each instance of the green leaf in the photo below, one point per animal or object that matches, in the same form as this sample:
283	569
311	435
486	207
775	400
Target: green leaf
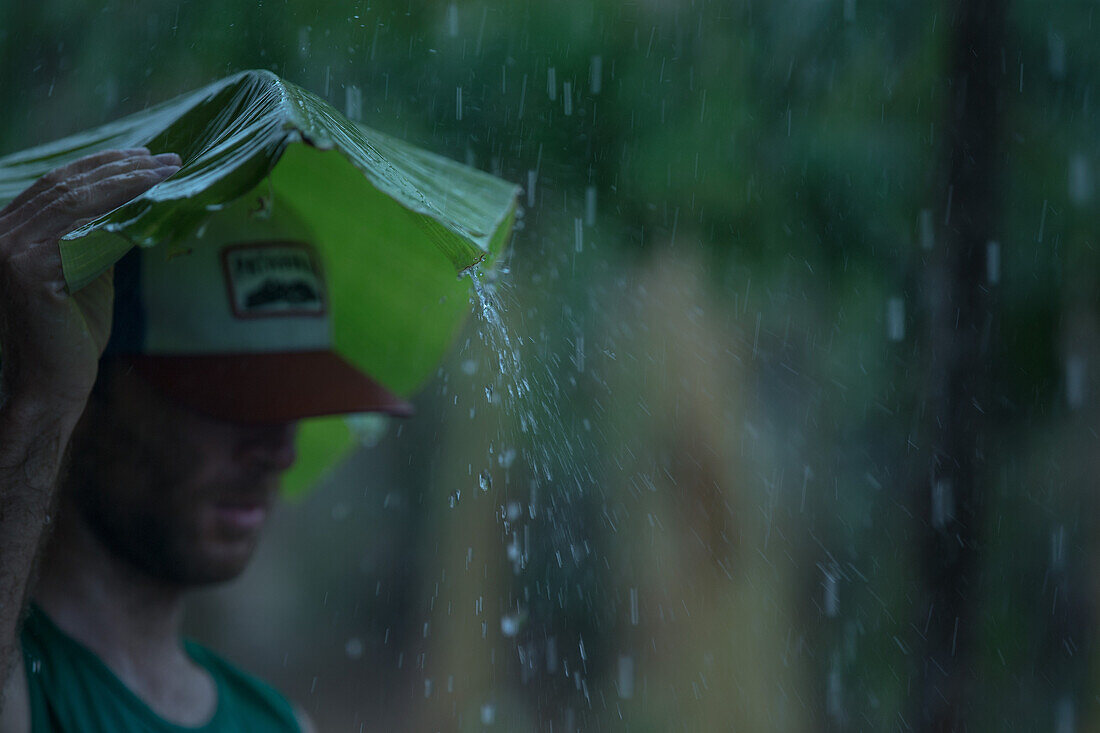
395	225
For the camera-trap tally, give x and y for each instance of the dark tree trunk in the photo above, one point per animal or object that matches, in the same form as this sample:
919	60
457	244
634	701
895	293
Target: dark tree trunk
960	317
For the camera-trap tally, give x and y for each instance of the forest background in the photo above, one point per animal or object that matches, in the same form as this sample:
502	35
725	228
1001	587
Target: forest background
807	294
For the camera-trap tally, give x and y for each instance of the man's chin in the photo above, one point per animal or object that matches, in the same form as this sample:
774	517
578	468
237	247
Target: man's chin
218	563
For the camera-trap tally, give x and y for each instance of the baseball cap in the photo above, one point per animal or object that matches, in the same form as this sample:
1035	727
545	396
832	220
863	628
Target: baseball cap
233	322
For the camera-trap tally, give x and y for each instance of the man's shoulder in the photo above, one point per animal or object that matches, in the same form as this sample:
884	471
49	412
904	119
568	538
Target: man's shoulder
71	689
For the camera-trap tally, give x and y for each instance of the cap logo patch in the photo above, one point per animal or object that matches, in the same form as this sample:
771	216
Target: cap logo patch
271	279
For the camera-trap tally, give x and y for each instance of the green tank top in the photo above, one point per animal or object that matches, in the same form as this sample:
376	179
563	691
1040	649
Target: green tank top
72	690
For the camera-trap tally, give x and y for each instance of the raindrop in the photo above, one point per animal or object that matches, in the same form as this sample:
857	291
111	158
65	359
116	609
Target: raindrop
552	83
993	262
458	103
927	234
567	98
1057	55
943	503
578	235
895	319
353	648
831	593
1080	179
849	10
485	480
469	367
489	393
452	20
595	74
509	625
1075	381
507	457
454	498
353	102
532	178
303	41
488	714
626	676
633	606
590	206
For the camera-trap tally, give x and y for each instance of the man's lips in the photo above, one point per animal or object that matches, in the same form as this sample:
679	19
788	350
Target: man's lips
241	517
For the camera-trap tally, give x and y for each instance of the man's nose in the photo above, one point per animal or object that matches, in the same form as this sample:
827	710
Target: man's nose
269	446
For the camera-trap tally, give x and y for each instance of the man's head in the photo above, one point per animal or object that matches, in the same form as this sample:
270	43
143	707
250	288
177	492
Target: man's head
214	356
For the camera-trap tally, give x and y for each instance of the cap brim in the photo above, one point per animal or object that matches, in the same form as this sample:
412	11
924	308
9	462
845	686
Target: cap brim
268	388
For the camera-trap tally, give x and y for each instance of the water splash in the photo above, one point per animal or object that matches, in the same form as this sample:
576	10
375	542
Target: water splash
529	397
541	466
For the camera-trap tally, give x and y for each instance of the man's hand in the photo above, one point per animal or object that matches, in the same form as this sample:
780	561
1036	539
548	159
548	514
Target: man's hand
51	341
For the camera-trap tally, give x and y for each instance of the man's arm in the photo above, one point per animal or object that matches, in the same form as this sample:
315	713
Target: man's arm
50	345
31	443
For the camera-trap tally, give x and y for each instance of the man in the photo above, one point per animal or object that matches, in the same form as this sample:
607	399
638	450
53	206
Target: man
173	458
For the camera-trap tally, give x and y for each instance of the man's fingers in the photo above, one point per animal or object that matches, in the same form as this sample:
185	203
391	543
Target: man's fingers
76	186
77	167
90	201
116	167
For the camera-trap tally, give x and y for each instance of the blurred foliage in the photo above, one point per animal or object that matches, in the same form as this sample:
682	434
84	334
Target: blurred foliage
722	200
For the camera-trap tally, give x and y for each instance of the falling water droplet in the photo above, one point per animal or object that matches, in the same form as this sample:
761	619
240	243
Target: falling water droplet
595	74
626	676
993	262
1080	179
532	179
831	595
485	480
895	319
353	102
943	503
927	234
452	20
1057	58
1075	381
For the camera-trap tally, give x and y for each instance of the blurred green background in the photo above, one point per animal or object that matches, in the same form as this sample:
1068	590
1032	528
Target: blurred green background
805	294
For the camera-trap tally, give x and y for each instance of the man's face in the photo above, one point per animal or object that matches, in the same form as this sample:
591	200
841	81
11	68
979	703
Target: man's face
179	495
